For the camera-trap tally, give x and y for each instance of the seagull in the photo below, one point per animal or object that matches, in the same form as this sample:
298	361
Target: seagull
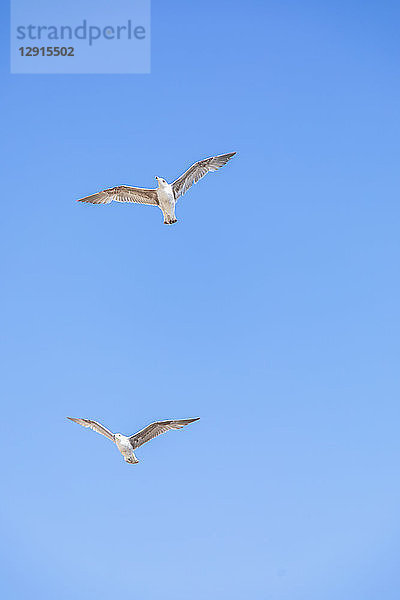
127	444
166	194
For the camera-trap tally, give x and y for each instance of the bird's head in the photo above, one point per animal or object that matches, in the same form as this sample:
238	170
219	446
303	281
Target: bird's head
161	182
118	436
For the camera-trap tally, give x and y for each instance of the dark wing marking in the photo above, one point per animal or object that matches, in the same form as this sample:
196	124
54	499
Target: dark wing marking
123	193
197	171
95	426
155	429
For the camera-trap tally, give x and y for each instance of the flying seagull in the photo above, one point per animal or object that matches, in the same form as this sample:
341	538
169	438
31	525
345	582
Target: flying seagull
127	444
166	194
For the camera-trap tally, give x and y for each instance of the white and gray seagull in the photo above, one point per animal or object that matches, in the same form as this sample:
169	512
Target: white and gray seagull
127	444
166	194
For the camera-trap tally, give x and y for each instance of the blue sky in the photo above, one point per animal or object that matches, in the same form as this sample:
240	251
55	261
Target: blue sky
271	310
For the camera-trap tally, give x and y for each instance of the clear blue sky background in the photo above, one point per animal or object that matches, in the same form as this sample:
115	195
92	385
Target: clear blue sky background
271	310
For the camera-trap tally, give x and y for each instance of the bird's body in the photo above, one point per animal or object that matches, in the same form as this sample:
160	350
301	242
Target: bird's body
127	444
166	194
166	201
125	447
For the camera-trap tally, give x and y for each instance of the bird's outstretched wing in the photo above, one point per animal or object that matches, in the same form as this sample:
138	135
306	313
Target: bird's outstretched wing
197	171
95	426
155	429
123	193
